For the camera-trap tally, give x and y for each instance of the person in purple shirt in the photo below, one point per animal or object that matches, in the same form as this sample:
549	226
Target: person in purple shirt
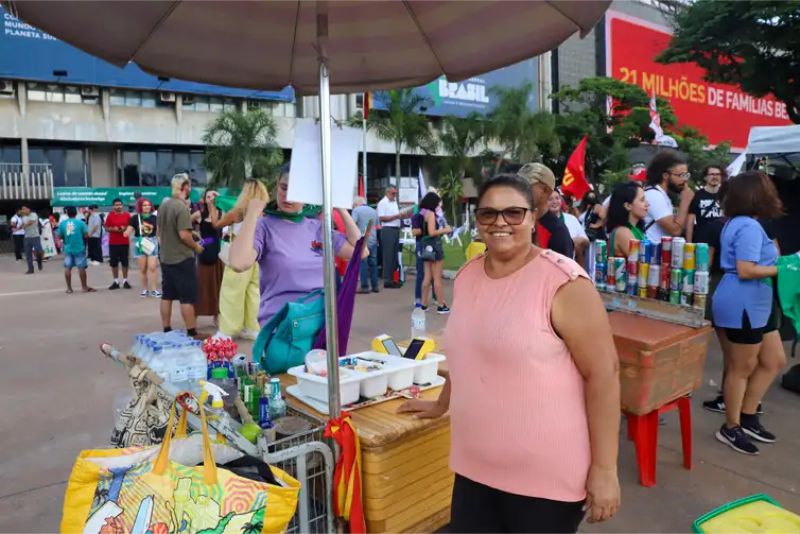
287	244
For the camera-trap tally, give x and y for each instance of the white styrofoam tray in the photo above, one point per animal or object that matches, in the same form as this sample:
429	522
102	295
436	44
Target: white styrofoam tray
397	374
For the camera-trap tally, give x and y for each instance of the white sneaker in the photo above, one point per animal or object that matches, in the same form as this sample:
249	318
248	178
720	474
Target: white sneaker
144	293
249	335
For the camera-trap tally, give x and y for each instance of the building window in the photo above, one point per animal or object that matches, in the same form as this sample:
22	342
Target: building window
70	94
132	98
69	165
10	154
155	167
197	103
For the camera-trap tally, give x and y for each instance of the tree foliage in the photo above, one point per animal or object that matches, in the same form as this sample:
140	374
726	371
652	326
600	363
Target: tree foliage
451	189
241	145
401	122
752	44
460	139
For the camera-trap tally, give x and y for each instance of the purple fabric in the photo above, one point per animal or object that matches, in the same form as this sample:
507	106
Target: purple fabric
345	301
289	256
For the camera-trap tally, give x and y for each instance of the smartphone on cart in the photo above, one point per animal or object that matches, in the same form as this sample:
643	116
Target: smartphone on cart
413	349
391	347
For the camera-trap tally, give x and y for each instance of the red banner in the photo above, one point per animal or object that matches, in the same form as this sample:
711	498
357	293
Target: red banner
721	112
574	181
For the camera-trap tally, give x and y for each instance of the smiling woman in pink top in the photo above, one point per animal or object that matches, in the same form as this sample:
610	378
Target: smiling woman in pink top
533	391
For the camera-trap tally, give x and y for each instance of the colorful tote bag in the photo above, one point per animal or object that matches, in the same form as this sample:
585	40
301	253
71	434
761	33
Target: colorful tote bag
140	491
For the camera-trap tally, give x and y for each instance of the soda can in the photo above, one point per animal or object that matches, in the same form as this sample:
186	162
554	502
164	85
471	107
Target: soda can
611	279
686	299
701	282
701	259
644	271
631	286
652	281
675	279
600	251
663	294
643	257
600	275
699	301
633	268
642	292
663	280
674	296
688	256
620	276
633	250
666	249
677	252
655	256
687	281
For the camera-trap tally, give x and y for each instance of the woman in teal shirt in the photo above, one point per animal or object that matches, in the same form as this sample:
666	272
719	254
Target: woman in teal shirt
626	213
744	310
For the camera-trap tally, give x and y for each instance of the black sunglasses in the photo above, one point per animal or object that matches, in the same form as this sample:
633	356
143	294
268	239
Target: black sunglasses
512	215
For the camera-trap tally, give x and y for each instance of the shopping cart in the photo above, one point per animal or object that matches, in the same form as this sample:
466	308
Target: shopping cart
305	456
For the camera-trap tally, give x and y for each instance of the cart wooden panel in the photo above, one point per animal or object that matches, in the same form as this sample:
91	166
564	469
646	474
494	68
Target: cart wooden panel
406	479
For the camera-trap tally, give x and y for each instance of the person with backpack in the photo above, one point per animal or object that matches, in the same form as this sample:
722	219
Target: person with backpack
667	173
73	231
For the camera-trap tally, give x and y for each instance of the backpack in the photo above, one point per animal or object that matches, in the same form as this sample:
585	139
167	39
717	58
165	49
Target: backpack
791	379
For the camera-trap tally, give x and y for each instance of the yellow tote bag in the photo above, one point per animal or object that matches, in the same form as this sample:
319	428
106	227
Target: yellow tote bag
139	490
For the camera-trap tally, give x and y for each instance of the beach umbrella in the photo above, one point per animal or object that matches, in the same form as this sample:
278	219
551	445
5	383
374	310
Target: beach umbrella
317	47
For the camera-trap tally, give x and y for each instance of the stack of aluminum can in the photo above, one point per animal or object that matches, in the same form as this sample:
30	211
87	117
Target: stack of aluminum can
672	270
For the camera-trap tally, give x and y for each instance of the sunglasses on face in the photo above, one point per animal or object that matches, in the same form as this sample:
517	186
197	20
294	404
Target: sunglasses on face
512	215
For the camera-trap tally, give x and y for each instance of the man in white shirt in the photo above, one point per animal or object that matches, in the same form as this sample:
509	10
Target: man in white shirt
390	215
18	234
95	225
667	171
576	230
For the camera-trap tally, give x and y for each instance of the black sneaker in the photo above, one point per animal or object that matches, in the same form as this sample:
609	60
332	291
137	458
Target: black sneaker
113	286
755	430
717	405
126	285
423	308
736	439
443	309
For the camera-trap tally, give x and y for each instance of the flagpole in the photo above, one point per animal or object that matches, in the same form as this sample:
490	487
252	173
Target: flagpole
364	112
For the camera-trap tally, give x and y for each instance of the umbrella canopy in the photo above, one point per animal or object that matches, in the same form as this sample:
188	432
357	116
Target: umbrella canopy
268	45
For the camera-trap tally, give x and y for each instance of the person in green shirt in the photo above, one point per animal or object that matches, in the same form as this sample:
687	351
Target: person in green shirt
73	231
626	214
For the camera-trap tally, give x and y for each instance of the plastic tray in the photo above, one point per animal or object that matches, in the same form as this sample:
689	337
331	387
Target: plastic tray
397	374
757	513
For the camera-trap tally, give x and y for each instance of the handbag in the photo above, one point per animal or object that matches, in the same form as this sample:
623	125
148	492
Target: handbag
427	250
286	338
143	490
144	421
146	245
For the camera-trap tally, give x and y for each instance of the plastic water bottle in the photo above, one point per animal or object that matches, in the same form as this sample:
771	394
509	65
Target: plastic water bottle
417	322
156	362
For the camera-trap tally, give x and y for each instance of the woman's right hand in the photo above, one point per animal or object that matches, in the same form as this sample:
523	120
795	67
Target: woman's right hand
257	205
423	409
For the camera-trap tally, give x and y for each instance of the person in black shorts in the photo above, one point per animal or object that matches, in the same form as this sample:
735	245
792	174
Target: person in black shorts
119	244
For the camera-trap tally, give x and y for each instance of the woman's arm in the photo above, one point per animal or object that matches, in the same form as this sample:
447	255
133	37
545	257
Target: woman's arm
231	217
592	347
129	231
690	220
622	241
243	254
748	270
196	216
352	232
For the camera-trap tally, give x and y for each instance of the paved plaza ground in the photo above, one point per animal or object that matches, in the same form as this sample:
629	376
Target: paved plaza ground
57	396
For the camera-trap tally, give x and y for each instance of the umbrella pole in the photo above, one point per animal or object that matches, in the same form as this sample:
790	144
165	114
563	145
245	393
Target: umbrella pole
331	318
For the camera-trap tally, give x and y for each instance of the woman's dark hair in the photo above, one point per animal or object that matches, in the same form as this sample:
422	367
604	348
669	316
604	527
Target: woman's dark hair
617	214
204	212
585	201
753	194
661	163
514	181
430	202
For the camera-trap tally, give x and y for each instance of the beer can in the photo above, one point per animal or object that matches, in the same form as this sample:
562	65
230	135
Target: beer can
633	250
641	281
655	255
666	249
600	275
652	281
686	299
611	278
674	296
632	268
677	252
663	280
701	282
643	257
642	292
701	259
688	255
675	279
600	251
699	301
663	294
620	276
687	283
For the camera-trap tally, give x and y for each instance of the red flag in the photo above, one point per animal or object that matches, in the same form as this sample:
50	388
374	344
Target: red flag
361	185
366	106
574	181
347	499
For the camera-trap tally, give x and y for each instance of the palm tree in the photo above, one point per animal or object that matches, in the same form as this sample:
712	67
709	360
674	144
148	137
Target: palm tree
241	145
451	189
402	124
460	138
525	135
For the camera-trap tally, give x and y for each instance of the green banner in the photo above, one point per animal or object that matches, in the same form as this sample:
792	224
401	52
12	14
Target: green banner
104	196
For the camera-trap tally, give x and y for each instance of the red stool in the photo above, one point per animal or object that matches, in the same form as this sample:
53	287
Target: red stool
643	430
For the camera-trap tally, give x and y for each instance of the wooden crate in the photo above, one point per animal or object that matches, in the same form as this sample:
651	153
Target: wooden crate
659	361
